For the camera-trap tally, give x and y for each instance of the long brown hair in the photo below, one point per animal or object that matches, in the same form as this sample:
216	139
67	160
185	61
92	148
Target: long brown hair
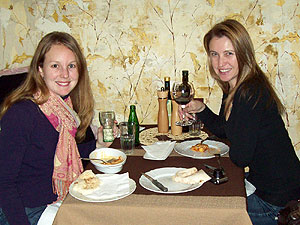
249	70
81	95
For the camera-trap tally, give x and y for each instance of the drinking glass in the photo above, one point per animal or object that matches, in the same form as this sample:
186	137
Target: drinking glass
196	127
107	120
127	136
183	93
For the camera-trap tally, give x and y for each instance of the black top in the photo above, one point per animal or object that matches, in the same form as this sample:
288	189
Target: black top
260	141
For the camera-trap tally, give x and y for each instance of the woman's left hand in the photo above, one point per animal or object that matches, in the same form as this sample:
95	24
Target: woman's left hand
100	143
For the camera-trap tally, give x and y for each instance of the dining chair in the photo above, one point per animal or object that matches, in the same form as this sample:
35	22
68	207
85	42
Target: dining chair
8	83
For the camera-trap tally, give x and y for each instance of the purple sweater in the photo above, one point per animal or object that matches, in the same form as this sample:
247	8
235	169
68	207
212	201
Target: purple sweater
27	147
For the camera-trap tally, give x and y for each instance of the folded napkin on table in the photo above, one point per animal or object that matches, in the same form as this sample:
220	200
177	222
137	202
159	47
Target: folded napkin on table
159	150
111	186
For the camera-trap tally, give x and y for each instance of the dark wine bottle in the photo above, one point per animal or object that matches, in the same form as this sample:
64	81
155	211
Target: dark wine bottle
167	86
185	82
133	118
185	76
169	102
184	101
185	89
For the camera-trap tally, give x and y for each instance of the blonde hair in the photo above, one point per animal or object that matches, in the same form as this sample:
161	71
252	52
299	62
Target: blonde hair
81	95
249	71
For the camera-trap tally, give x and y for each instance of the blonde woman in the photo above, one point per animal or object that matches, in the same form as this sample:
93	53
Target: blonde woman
250	118
42	123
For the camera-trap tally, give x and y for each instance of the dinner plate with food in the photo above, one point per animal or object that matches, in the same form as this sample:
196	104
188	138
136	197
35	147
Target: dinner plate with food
205	150
90	187
175	179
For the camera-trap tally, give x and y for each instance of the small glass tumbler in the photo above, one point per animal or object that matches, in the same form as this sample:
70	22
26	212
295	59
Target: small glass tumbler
127	137
195	128
107	120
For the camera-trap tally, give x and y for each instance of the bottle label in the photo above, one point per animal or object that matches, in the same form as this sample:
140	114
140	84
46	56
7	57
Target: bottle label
169	109
108	135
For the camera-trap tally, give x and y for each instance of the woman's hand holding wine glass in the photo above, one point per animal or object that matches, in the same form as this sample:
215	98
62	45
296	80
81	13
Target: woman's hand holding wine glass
183	93
194	106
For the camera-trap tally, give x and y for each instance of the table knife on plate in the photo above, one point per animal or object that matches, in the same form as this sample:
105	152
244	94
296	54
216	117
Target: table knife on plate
156	183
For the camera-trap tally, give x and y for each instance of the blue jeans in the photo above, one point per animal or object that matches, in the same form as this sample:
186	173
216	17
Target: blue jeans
33	215
261	212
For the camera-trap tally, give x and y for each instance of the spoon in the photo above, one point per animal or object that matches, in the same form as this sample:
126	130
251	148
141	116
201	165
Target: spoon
103	161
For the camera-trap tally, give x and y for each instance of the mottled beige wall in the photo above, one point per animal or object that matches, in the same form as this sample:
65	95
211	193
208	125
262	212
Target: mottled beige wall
131	45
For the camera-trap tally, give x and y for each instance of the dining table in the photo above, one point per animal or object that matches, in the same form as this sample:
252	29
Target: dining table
213	204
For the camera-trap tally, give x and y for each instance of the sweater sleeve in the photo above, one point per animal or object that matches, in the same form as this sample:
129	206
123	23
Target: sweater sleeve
213	122
244	126
16	126
88	144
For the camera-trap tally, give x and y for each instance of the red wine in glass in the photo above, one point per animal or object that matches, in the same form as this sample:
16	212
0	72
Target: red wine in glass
183	93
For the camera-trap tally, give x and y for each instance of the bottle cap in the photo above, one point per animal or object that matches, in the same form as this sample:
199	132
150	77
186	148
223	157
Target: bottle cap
167	78
185	72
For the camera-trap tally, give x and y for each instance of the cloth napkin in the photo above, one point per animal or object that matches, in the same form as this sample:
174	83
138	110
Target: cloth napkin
250	188
111	186
49	214
159	150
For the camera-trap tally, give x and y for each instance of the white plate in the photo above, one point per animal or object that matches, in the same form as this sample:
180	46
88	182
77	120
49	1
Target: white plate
75	194
184	148
164	176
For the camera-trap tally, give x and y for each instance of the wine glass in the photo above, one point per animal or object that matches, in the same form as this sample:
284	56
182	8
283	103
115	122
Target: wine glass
183	93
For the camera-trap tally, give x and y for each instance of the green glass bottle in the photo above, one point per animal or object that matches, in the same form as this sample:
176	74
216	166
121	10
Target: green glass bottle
133	118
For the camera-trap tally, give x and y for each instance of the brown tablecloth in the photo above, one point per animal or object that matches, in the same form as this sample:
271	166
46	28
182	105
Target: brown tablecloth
210	204
234	187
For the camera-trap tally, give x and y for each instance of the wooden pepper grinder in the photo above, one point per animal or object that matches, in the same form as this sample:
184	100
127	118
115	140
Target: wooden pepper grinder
162	119
175	130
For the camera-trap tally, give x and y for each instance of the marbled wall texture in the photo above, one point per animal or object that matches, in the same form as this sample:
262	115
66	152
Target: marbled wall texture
131	45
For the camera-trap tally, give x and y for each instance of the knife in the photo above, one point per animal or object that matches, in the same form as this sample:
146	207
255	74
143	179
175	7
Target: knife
156	183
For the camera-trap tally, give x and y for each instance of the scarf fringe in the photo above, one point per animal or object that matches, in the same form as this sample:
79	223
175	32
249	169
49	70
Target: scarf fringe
60	188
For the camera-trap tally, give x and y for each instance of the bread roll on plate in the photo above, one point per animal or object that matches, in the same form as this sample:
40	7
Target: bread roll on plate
86	183
186	172
193	176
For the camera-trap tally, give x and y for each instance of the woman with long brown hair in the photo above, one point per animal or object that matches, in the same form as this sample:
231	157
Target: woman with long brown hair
42	123
250	118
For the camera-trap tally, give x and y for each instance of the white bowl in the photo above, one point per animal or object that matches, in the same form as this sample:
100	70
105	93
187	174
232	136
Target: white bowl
102	153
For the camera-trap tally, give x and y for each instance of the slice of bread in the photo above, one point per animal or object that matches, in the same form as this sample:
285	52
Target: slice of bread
86	183
190	176
186	172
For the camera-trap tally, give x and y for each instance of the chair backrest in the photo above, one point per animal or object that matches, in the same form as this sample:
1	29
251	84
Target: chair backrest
9	83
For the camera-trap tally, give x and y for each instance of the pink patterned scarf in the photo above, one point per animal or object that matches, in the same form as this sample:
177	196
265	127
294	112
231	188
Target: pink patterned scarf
67	163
